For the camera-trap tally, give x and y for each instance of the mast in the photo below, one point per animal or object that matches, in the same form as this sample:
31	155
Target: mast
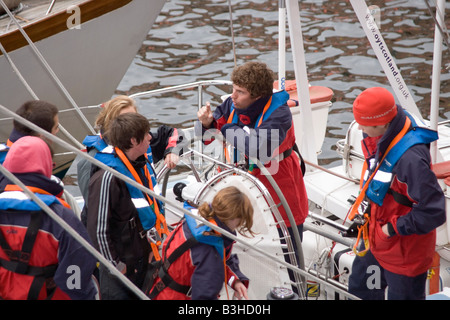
436	75
281	44
303	121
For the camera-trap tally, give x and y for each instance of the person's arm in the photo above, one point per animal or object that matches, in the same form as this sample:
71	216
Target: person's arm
428	210
102	192
167	143
209	123
209	274
261	142
236	279
75	263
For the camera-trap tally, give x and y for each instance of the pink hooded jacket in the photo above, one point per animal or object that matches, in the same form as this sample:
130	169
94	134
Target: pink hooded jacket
29	154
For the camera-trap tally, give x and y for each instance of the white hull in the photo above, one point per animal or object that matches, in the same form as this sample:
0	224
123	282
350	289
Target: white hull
90	63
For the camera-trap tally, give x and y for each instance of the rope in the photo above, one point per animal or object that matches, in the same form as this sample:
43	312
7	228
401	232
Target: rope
232	32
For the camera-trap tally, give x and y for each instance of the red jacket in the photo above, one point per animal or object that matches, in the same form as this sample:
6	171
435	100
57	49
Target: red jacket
259	139
201	267
51	265
414	207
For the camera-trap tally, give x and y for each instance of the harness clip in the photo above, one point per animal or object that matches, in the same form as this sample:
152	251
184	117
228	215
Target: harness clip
154	237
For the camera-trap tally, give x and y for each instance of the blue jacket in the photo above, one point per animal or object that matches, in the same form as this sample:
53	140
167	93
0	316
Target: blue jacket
146	212
274	138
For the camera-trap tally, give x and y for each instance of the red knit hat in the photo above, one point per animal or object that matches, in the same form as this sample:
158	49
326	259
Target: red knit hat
374	107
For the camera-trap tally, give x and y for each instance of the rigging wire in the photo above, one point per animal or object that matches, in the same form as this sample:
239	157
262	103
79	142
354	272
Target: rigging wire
33	94
442	28
47	67
232	31
123	177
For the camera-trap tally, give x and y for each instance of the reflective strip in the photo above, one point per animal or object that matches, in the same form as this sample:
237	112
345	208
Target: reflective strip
366	175
372	163
383	176
140	203
108	149
156	189
231	280
18	195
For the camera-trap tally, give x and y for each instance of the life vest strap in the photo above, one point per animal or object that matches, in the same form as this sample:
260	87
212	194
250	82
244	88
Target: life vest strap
400	198
363	231
160	225
161	269
13	187
19	259
362	194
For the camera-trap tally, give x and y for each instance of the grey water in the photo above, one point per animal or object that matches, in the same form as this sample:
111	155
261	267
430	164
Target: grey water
192	41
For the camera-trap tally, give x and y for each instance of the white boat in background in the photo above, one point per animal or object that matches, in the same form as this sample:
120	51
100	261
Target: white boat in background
325	256
76	56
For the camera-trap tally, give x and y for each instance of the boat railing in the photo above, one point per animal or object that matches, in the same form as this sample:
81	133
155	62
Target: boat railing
229	170
123	177
198	84
200	87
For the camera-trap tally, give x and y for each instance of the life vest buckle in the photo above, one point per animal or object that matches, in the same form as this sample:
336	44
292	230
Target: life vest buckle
132	222
17	255
160	286
154	237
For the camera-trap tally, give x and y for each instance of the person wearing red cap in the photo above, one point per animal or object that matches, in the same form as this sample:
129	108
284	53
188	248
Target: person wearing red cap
39	259
405	202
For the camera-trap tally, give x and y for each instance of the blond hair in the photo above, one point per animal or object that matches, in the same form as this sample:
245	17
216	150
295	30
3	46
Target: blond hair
111	109
228	204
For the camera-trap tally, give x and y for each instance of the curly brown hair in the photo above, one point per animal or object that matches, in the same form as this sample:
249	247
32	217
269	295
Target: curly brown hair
256	77
228	204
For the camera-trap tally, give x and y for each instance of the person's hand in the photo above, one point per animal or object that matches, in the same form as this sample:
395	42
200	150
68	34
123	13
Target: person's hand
171	160
122	267
240	291
205	115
